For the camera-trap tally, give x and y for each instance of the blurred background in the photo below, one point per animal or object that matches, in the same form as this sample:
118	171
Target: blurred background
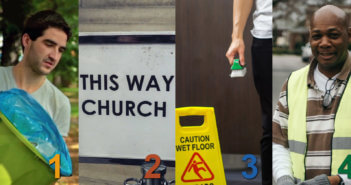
126	15
291	48
291	19
65	76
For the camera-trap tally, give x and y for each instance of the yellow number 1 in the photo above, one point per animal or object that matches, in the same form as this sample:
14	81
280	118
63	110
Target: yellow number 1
56	160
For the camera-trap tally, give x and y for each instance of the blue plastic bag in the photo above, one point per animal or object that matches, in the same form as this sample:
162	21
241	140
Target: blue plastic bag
33	122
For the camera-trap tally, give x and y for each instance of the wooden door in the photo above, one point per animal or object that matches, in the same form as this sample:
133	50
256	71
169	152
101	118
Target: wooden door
203	35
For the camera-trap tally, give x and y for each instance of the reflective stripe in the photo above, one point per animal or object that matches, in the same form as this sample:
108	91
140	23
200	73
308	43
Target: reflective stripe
342	143
297	147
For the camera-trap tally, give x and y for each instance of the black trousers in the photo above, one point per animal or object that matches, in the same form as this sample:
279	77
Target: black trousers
262	70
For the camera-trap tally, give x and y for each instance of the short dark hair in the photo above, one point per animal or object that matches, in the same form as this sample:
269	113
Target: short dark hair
36	24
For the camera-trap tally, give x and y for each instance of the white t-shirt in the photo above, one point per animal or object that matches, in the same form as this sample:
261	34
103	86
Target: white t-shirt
323	81
49	97
262	20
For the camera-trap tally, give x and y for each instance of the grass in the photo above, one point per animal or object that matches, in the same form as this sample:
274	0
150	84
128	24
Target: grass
70	89
74	110
72	139
72	94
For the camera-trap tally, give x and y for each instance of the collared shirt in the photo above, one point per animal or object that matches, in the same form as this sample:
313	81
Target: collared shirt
319	120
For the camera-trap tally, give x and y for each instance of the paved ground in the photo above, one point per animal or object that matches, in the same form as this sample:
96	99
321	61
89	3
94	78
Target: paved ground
115	174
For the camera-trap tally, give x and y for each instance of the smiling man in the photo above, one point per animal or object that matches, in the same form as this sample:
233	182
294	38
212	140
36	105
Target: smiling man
44	39
311	123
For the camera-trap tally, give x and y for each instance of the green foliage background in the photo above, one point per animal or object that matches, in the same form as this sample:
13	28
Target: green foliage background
66	73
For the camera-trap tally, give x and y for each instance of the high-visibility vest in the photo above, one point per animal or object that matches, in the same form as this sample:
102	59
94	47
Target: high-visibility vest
297	102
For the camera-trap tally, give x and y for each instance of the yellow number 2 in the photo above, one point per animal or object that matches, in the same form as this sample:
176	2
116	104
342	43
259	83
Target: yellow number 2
56	160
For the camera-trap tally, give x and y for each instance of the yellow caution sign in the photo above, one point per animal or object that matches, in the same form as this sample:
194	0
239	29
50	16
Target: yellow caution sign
198	153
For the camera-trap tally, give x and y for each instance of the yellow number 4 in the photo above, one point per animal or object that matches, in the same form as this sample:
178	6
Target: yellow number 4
56	160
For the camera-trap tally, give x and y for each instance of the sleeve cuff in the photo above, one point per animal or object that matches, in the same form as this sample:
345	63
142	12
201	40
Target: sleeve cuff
322	180
285	180
318	180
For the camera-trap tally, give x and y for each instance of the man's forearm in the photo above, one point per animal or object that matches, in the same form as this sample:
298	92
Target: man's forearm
241	11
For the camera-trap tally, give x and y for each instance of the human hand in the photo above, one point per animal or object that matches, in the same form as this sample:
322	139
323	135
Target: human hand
334	180
237	47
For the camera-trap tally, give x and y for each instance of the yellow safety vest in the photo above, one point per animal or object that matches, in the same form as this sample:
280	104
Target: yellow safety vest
297	102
